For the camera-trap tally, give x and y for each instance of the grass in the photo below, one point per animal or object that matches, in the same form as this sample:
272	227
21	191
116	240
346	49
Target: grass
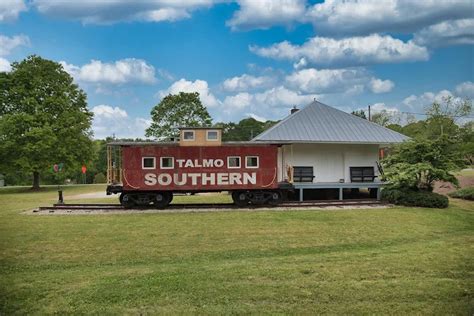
466	193
466	172
395	261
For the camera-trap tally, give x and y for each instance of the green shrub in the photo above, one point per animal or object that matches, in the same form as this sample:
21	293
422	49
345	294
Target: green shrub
100	178
466	194
415	198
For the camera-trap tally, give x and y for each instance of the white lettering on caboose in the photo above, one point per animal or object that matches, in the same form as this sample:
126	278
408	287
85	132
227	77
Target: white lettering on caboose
196	163
218	178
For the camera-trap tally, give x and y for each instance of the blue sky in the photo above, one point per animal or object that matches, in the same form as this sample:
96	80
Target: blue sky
252	58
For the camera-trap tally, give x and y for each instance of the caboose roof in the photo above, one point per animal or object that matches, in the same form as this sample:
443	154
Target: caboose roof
320	123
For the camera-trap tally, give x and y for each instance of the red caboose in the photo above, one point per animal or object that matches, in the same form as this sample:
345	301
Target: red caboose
199	162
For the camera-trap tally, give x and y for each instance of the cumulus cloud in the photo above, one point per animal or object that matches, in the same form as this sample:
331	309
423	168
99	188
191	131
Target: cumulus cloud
263	14
10	9
381	86
201	86
106	12
446	33
352	51
129	70
465	89
336	81
247	82
419	102
274	102
350	17
7	44
109	120
4	65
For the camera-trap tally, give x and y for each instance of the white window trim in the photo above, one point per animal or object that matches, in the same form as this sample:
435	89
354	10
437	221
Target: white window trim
212	140
252	167
189	140
161	163
148	168
240	162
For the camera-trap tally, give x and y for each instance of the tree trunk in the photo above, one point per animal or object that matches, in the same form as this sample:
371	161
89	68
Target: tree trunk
36	180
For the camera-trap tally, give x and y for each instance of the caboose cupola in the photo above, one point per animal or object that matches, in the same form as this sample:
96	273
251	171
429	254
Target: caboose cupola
200	136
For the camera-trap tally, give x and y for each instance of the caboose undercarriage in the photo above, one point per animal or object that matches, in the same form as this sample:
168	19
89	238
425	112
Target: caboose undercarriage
161	199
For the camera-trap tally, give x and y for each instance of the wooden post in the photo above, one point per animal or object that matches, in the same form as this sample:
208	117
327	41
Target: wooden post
341	194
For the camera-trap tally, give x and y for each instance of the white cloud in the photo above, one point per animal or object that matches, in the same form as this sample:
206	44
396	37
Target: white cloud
352	81
4	65
372	16
201	86
419	102
122	71
237	102
10	9
256	117
465	89
7	44
247	82
446	33
275	102
263	14
110	121
106	12
381	86
352	51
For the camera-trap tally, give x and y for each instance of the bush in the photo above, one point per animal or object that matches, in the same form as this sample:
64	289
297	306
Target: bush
415	198
100	178
466	194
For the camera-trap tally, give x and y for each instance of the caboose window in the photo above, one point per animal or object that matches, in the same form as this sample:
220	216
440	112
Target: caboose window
148	163
188	135
251	162
211	135
167	163
233	162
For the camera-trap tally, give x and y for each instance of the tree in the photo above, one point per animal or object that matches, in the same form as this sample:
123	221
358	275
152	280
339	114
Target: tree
383	118
359	113
44	119
418	163
178	110
245	130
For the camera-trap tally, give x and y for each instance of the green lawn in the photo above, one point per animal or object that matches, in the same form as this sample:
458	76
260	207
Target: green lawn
396	261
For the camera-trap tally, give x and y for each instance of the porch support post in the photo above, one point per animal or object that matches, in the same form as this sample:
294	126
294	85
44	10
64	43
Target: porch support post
379	191
340	194
301	194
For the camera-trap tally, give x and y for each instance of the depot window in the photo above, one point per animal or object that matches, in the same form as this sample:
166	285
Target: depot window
251	162
212	135
148	163
233	162
188	135
167	163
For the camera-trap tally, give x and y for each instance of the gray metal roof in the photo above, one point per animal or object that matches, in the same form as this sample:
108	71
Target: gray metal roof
320	123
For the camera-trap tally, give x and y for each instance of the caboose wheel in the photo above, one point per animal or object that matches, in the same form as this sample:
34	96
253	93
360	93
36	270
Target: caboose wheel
275	198
162	199
240	198
127	200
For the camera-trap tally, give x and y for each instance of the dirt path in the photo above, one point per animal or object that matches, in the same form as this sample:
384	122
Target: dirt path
445	188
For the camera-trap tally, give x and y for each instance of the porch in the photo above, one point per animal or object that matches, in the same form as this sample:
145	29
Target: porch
302	186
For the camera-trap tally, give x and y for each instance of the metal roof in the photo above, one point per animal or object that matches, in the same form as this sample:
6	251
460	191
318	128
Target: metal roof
320	123
170	144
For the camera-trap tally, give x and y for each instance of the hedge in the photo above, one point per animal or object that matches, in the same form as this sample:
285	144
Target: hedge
466	194
415	198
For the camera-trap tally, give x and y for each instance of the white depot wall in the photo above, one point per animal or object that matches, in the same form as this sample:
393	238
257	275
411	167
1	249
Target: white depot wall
331	162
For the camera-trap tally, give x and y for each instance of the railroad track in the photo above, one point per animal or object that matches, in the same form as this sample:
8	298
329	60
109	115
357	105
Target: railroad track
73	208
